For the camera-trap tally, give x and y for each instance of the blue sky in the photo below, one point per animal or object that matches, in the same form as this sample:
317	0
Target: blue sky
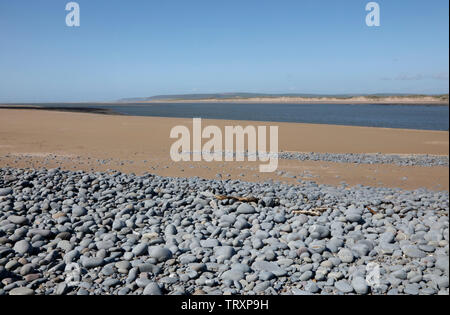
143	48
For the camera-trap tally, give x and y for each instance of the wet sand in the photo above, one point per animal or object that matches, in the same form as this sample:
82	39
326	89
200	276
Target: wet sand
86	141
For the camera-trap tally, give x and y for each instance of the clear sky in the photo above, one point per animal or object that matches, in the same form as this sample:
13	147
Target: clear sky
143	48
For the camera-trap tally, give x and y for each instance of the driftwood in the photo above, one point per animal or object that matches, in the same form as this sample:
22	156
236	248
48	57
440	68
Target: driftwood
241	199
371	210
314	212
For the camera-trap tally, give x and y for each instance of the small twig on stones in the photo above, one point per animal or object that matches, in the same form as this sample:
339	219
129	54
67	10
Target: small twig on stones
313	212
371	210
241	199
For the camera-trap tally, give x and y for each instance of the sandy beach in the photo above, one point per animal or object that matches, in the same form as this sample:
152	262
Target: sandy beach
81	141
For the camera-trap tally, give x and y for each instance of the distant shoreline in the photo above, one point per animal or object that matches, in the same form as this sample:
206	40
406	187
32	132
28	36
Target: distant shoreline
406	99
427	100
90	110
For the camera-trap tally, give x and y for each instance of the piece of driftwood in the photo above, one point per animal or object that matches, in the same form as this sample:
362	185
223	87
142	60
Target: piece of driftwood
314	212
241	199
371	210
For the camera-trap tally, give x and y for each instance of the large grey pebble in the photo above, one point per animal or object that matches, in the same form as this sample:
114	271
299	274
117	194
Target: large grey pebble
152	289
78	211
245	208
343	286
161	254
21	291
5	191
22	247
360	286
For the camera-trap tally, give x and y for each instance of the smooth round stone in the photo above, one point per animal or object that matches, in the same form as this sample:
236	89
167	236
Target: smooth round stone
319	231
257	243
353	216
5	191
361	250
63	236
78	211
427	248
22	247
269	255
187	259
242	267
104	245
92	262
241	224
400	274
261	287
71	256
21	291
118	225
142	282
279	218
346	255
161	254
152	289
125	265
285	262
209	243
387	237
442	263
441	282
269	266
225	252
147	267
61	288
393	291
312	287
197	267
343	286
266	275
306	267
12	264
140	249
110	282
42	232
124	291
317	247
128	256
233	275
83	292
335	275
334	244
20	220
171	230
360	286
413	252
414	277
307	275
245	208
428	291
26	269
65	245
388	249
411	289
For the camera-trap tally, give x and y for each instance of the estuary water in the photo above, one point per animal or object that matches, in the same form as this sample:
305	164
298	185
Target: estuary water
425	117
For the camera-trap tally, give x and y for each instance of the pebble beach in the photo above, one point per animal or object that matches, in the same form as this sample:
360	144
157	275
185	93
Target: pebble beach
64	232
